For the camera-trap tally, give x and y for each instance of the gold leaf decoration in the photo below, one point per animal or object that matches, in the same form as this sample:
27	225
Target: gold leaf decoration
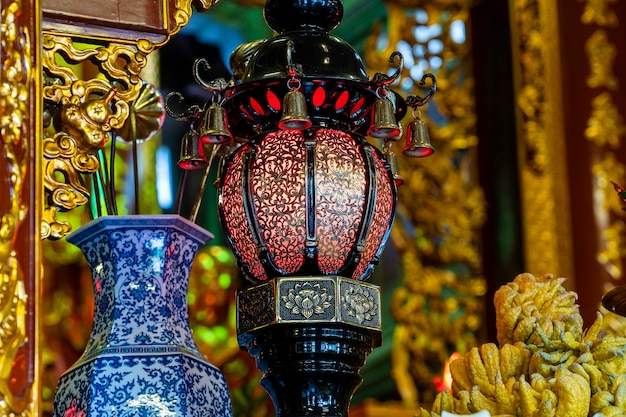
606	125
599	12
15	76
601	54
543	172
84	113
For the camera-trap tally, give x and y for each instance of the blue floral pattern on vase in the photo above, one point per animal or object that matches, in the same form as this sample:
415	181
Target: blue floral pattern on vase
141	359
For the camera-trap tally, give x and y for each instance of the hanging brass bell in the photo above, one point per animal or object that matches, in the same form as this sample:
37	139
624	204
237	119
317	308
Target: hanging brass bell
384	125
392	160
214	130
295	116
191	153
417	140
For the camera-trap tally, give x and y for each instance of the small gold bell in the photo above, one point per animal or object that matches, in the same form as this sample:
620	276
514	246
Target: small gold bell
392	160
417	140
295	116
191	153
384	125
214	130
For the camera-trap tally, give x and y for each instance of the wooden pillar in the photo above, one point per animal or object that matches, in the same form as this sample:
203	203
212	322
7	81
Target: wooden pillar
20	206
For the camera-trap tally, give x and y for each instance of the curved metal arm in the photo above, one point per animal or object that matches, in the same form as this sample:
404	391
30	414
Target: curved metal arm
384	79
218	84
417	101
184	116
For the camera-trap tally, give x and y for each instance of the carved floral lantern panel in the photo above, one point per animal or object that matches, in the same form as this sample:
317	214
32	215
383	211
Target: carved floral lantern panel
319	202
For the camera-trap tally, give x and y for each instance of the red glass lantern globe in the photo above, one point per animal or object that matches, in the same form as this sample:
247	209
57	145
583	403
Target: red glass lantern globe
312	197
314	202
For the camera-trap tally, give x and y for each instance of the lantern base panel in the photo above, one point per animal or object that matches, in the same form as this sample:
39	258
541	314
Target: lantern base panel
310	337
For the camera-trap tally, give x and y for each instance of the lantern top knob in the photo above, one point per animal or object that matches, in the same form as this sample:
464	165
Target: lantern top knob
291	15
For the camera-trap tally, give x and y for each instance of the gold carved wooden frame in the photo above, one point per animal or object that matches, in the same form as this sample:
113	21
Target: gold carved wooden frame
541	139
116	38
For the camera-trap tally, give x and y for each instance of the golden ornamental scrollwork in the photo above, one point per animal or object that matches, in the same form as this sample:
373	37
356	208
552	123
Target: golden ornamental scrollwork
15	76
605	131
81	115
443	229
599	12
612	228
90	88
543	171
605	125
182	13
601	54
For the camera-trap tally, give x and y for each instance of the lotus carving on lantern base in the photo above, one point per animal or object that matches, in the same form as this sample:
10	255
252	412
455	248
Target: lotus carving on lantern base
311	335
307	299
360	304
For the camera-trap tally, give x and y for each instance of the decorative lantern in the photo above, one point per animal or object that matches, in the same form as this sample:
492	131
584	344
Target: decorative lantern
307	203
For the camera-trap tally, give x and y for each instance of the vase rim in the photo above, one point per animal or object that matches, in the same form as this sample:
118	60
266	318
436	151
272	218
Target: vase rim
111	222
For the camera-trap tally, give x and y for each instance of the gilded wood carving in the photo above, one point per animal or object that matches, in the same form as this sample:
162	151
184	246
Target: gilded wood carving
544	191
16	74
91	82
605	129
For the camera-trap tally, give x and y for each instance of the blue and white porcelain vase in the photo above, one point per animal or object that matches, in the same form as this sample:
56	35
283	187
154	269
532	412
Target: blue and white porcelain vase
141	359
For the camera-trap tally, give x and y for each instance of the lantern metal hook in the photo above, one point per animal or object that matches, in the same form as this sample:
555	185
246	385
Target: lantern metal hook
417	101
384	79
183	116
218	84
